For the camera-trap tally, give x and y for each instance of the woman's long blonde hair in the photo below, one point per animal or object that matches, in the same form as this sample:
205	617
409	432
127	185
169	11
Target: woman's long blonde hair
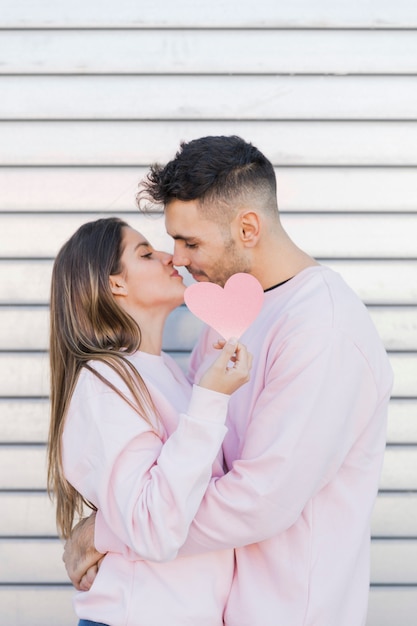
87	324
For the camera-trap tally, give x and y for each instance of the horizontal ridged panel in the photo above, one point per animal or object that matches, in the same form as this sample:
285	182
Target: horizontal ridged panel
24	420
264	51
394	562
32	561
380	282
239	97
216	13
27	514
142	142
37	605
395	515
347	236
400	469
393	606
402	421
113	189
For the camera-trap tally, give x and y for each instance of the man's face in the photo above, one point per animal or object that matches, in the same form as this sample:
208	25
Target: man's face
205	247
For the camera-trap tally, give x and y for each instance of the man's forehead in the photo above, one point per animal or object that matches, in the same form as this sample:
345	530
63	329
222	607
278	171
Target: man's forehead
181	224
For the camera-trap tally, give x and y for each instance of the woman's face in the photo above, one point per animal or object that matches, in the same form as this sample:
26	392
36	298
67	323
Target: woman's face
148	279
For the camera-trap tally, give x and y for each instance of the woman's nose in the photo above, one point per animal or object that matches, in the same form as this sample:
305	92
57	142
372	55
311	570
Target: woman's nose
165	257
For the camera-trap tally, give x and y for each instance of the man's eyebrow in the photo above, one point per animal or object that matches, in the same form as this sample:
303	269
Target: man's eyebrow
183	237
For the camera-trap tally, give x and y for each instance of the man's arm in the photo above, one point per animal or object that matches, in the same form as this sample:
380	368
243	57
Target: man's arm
304	425
80	557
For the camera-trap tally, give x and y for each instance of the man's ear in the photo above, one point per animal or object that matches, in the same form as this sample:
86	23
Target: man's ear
117	285
249	228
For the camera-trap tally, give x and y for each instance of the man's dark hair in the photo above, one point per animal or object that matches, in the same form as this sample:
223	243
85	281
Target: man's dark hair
214	169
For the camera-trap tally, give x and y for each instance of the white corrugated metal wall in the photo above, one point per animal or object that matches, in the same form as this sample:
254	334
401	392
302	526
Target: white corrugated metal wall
91	94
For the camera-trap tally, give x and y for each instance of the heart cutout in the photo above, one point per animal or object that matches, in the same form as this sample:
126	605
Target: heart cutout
229	310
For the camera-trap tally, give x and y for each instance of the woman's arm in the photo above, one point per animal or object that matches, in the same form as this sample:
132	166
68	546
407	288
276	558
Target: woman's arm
148	490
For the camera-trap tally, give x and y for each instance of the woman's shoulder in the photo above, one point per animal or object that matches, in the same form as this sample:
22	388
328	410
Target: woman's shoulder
98	375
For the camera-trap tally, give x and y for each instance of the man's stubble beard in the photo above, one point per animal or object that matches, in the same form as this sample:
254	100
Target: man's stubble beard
230	263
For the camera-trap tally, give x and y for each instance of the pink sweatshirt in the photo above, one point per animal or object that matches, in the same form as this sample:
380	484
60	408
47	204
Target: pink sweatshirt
148	489
304	449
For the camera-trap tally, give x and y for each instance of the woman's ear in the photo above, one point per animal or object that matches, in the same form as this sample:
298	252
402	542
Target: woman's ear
249	228
117	285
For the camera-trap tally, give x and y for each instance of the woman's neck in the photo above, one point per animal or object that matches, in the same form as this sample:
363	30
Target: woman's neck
151	345
152	329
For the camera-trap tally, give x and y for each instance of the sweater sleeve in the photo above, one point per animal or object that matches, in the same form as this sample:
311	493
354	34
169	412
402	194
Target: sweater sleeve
319	395
147	490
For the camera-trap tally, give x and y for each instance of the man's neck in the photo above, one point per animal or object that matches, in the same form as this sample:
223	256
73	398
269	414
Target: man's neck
279	262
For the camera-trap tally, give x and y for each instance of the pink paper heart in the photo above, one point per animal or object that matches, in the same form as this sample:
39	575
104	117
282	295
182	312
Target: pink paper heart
229	310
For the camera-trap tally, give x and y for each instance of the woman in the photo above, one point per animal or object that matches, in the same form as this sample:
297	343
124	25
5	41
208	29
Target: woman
128	436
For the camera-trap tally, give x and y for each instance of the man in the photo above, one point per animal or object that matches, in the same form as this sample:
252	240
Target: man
307	434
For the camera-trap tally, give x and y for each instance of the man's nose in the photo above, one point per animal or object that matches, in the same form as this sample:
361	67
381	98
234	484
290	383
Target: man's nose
180	257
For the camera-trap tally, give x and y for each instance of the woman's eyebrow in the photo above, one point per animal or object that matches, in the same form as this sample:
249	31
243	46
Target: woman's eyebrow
141	243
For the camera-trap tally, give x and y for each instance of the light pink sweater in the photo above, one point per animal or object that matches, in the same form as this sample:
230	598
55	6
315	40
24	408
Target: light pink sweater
148	489
304	448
